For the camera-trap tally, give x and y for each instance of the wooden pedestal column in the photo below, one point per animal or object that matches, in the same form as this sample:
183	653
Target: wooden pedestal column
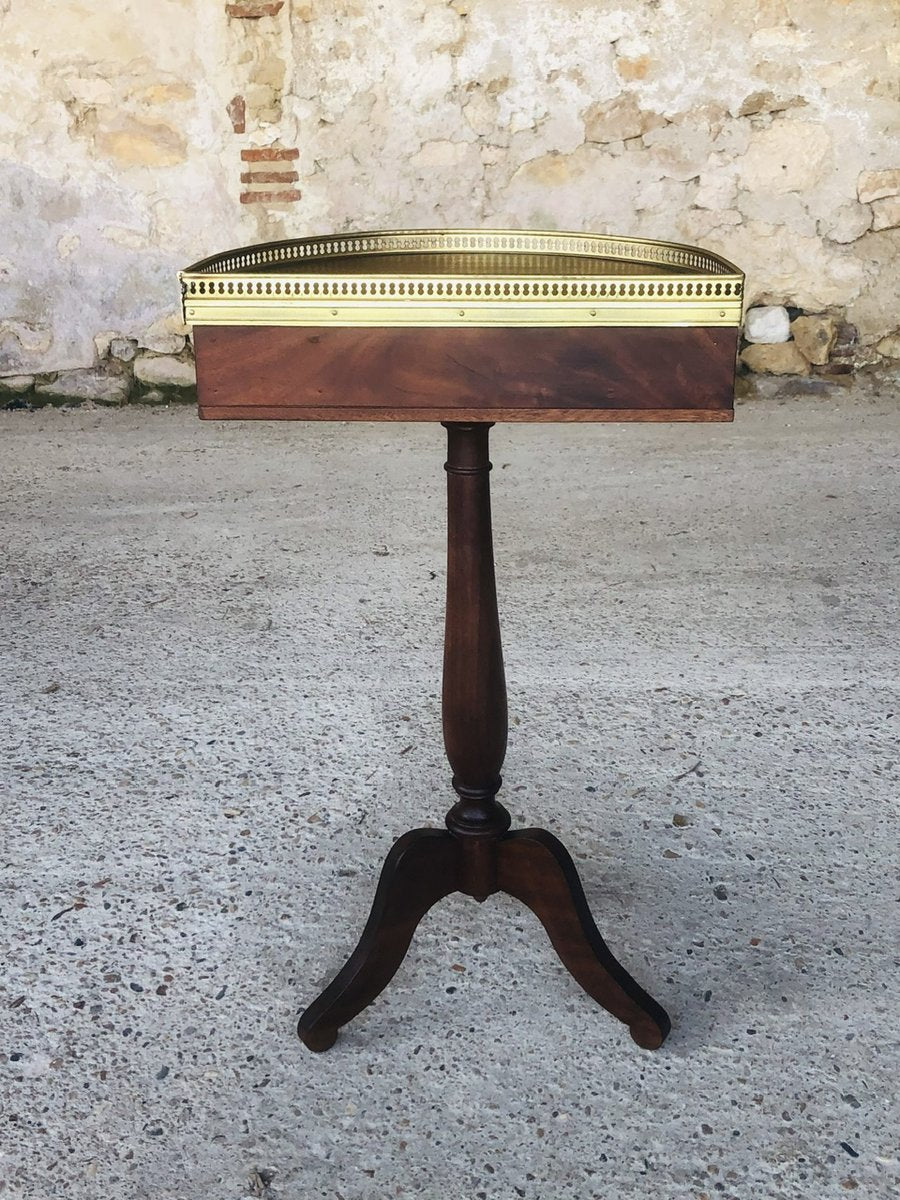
477	854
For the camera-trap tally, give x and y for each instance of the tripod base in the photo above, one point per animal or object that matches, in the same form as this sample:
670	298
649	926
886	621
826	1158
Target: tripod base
425	865
477	855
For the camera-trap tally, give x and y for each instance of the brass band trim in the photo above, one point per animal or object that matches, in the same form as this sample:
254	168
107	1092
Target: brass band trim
240	287
637	312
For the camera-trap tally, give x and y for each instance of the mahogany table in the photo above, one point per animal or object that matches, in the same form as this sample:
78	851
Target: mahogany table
469	327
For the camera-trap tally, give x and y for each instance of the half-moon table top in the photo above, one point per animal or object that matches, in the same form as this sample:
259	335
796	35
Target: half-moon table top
465	324
464	277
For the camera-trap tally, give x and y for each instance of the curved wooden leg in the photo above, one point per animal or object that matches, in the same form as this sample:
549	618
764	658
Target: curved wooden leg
536	868
420	869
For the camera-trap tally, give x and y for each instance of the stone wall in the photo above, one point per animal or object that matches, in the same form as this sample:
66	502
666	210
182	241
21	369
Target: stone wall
137	137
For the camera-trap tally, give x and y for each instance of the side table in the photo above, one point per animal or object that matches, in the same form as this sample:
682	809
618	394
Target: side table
469	327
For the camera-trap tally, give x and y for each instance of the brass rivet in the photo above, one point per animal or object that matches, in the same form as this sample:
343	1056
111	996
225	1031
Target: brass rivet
721	312
334	312
593	312
462	312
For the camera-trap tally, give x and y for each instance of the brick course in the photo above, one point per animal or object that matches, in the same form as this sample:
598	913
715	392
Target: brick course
270	153
287	196
252	12
269	177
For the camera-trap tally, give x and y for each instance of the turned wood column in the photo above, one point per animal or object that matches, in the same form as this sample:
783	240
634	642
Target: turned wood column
474	690
477	854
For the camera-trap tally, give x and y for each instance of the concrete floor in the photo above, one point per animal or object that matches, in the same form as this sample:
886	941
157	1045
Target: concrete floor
220	682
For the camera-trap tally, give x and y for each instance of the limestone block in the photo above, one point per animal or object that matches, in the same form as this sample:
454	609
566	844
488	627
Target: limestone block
270	71
635	68
552	170
886	213
441	153
164	370
767	324
661	195
888	346
124	349
101	343
264	102
165	336
766	102
781	359
787	210
16	385
788	156
162	342
165	93
700	224
23	337
480	111
874	306
682	148
618	120
732	140
172	322
815	337
133	142
875	185
87	384
716	191
849	222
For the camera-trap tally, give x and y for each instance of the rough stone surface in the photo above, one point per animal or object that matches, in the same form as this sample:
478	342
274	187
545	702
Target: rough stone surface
163	342
847	223
221	704
788	156
618	120
717	190
769	323
76	386
886	213
815	337
102	342
753	128
875	185
890	346
783	358
162	370
15	385
877	305
124	349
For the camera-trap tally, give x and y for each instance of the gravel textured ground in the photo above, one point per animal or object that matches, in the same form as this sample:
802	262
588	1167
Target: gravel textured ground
220	685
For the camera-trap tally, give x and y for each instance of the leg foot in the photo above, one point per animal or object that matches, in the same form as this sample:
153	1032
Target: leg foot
536	868
421	868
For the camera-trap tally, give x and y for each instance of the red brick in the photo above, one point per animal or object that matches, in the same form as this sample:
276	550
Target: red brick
270	153
269	177
285	197
249	11
237	113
